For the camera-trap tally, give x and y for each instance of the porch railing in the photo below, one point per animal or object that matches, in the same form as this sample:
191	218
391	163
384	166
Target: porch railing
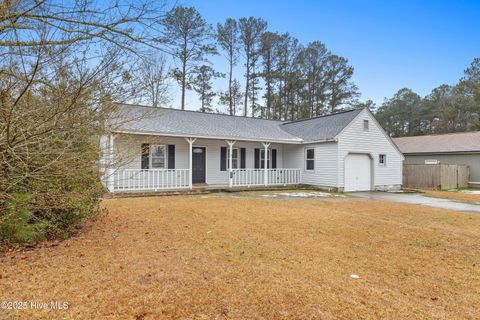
150	180
255	177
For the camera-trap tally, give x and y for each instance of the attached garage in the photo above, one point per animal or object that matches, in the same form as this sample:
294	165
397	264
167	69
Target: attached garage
358	172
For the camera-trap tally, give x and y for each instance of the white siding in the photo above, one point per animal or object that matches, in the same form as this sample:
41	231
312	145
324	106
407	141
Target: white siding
325	172
372	142
329	157
128	151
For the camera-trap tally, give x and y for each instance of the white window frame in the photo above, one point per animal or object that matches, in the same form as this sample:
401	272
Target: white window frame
262	158
152	148
384	163
309	159
233	158
366	125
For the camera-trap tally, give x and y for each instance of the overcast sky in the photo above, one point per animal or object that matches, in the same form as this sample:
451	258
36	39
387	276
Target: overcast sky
391	44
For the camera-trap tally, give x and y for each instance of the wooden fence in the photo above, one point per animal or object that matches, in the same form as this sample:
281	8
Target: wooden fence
435	176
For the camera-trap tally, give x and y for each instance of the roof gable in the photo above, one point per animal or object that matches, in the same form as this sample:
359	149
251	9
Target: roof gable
321	128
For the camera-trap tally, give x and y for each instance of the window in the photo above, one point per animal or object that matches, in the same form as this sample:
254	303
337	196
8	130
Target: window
310	159
365	125
157	156
234	158
382	159
262	158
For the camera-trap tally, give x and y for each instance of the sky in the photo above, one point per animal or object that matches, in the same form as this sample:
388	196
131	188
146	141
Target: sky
391	44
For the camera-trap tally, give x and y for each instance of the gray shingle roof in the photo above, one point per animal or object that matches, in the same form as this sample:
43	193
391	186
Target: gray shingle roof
320	128
442	143
140	119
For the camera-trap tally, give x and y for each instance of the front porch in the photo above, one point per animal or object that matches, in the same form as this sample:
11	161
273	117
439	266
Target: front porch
126	180
188	162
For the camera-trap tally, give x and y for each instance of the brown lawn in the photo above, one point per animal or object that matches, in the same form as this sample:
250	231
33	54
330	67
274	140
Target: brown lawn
454	195
214	257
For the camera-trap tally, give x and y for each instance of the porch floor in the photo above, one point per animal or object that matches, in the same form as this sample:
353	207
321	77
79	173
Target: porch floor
205	189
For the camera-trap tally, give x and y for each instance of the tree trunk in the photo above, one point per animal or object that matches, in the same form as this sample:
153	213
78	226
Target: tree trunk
247	82
184	70
230	100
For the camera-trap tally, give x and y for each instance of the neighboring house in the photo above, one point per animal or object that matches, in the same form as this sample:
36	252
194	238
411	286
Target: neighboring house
453	148
152	149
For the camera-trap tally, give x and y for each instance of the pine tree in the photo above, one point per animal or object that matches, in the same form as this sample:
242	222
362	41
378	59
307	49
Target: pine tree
189	37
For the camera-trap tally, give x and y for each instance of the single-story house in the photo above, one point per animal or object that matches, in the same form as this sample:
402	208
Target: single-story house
461	148
151	149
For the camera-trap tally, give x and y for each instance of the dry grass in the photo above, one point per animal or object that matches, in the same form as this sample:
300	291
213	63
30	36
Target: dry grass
454	195
208	257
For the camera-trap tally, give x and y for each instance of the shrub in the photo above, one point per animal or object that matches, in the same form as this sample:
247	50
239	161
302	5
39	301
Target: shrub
18	224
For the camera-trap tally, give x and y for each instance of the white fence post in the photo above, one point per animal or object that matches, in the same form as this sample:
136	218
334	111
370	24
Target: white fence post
230	162
279	176
265	162
111	159
190	144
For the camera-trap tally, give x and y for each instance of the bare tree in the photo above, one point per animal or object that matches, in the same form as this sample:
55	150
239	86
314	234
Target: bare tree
40	23
63	66
189	37
152	78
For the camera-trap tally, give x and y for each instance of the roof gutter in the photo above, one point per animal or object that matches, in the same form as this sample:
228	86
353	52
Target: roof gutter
299	141
432	153
321	141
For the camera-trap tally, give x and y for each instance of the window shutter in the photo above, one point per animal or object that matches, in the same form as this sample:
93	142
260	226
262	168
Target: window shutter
274	158
171	156
243	158
257	159
223	158
145	155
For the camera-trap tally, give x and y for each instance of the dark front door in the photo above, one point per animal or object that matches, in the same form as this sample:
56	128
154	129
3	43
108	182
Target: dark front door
198	164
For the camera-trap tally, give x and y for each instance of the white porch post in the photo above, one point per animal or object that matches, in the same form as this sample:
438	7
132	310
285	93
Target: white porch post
111	159
230	162
190	146
265	162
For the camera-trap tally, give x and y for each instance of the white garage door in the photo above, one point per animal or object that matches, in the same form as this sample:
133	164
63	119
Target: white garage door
358	173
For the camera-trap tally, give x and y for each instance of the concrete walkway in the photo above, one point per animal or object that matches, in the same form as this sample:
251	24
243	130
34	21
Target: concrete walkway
418	198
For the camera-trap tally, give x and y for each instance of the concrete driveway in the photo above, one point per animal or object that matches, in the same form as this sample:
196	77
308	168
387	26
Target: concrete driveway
418	198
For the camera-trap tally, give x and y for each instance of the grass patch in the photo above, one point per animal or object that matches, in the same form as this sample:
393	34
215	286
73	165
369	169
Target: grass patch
198	257
423	243
454	194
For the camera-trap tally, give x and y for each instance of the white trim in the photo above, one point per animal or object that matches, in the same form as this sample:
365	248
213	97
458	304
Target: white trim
297	141
230	161
370	114
111	159
206	159
320	141
384	163
306	158
265	161
269	158
238	158
165	155
366	125
190	142
372	168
